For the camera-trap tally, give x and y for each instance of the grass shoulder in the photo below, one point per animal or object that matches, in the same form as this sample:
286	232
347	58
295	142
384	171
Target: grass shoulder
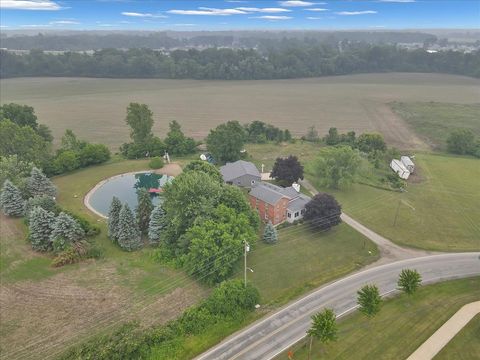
400	327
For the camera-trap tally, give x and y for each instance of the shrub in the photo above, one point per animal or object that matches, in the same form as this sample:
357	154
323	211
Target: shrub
156	163
89	228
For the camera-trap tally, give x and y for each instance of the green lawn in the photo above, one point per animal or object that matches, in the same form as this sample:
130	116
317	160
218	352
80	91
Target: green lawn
434	121
304	259
267	153
439	211
465	345
402	325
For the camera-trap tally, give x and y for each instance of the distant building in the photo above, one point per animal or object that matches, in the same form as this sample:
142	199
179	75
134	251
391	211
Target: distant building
408	163
241	173
278	204
400	169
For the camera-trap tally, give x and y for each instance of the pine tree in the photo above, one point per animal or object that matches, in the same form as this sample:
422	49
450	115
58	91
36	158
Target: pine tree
144	209
128	235
11	200
156	225
65	231
41	227
113	214
270	234
38	184
44	201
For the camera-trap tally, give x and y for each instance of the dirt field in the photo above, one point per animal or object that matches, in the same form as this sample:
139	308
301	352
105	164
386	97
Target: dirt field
95	108
43	313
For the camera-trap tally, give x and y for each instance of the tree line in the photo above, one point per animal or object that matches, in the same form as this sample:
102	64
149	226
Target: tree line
296	59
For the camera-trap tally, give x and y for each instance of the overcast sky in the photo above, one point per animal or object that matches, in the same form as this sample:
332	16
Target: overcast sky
237	14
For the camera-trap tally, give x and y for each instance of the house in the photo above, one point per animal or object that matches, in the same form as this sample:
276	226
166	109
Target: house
240	173
400	169
278	204
408	163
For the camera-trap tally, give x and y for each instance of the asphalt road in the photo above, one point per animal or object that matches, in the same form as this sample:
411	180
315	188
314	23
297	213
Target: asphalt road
270	336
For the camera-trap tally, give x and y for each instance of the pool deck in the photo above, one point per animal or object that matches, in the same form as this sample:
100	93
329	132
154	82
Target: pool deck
169	169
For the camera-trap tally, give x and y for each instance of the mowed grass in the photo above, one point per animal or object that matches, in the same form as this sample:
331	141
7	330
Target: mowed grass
266	154
434	121
465	345
304	259
439	211
400	327
95	109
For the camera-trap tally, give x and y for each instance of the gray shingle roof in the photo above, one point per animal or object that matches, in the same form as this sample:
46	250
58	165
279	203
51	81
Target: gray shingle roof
238	168
271	194
298	203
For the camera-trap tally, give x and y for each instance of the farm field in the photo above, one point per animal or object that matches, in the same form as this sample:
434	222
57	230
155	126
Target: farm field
439	210
400	327
95	108
465	345
434	121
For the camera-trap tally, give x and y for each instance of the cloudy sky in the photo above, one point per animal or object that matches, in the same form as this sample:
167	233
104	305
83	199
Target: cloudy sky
237	14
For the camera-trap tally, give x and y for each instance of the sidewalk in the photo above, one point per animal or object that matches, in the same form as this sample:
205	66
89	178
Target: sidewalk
447	331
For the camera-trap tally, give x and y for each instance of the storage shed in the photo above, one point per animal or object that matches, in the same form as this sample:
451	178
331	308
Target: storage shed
400	169
408	163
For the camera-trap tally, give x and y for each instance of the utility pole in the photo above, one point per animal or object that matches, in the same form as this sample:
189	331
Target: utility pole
246	248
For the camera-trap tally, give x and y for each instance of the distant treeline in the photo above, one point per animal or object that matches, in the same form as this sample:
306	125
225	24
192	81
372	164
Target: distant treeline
81	41
298	59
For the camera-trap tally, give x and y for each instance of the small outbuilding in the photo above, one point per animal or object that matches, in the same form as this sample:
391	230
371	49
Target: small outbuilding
408	163
241	173
397	166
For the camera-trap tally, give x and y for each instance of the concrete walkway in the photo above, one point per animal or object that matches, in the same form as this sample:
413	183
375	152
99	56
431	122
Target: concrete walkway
447	331
389	252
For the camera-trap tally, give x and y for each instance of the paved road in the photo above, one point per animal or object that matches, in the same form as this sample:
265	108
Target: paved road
270	336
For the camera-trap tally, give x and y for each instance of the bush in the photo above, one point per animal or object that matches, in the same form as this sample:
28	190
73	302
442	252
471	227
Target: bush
461	141
89	228
156	163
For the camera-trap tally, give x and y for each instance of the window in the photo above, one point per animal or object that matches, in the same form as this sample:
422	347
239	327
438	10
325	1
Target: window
296	214
289	215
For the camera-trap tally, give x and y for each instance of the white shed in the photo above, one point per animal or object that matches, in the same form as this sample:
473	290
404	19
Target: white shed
408	163
400	169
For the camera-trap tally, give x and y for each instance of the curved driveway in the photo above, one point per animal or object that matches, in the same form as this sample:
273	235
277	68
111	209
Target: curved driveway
270	336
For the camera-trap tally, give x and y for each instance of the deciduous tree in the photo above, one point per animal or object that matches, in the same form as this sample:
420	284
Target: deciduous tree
336	167
461	141
140	120
11	200
287	170
226	141
323	211
369	300
409	281
368	142
324	328
176	142
128	235
207	168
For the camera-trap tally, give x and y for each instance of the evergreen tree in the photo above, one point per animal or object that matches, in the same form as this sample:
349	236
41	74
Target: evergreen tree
144	209
44	201
128	236
270	234
11	200
38	184
113	215
41	226
65	231
156	225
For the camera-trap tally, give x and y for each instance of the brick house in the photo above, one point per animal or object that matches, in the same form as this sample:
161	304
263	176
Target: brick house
277	204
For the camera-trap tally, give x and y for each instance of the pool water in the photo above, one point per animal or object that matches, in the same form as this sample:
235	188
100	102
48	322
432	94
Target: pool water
125	188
